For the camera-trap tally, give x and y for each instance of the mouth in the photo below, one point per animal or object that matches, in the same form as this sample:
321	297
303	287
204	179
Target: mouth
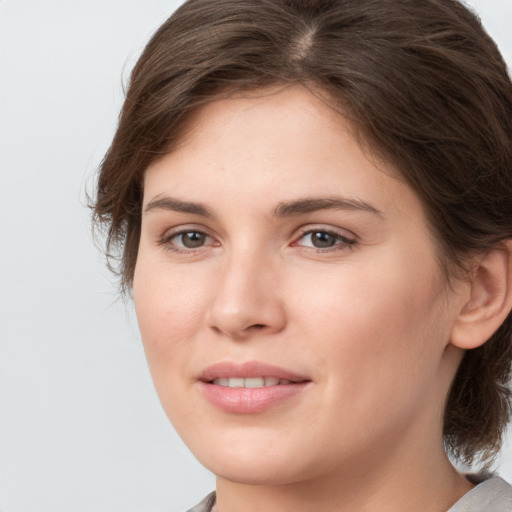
250	374
250	387
249	382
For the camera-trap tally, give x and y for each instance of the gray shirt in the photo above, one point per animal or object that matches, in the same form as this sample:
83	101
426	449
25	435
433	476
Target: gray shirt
490	495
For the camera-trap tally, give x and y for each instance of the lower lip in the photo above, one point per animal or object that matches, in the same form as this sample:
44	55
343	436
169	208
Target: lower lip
249	400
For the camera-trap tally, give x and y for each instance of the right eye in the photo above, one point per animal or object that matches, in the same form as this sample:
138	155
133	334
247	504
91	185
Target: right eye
190	239
187	240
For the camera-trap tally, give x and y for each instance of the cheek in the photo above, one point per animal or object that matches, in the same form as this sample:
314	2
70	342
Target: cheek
379	329
170	311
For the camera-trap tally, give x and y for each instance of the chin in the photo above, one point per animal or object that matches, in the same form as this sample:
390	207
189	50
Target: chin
256	473
257	465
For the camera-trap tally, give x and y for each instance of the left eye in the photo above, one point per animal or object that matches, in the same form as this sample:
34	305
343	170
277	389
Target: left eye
323	239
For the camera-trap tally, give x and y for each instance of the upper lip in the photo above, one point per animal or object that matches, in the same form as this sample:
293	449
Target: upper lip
248	369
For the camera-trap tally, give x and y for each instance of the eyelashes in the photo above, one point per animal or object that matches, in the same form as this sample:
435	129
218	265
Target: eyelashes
320	240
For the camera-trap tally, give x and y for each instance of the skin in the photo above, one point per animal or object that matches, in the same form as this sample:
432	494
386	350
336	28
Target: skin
369	320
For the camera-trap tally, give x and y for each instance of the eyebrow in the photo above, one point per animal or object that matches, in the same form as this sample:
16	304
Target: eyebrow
308	205
176	205
283	209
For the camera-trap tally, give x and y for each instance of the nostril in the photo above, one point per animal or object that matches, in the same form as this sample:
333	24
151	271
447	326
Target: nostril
258	326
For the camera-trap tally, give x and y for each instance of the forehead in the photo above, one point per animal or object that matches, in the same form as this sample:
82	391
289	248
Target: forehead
285	140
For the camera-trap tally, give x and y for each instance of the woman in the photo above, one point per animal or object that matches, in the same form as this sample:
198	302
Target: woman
313	203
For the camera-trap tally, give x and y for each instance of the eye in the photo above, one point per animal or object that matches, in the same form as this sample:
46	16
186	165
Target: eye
324	239
186	240
321	239
190	239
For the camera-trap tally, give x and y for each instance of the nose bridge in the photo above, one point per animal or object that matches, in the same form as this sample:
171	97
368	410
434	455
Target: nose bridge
246	298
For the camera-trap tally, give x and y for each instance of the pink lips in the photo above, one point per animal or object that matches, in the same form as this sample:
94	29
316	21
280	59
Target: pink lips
244	399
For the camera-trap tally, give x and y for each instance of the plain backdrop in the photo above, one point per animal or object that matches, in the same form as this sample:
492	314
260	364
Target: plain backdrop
81	429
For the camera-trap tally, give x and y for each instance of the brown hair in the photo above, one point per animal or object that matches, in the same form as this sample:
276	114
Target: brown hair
422	83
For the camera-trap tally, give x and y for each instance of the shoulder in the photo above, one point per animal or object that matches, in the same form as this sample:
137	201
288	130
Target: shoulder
206	505
491	494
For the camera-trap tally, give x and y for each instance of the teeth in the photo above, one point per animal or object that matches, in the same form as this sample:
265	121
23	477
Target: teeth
236	383
252	382
257	382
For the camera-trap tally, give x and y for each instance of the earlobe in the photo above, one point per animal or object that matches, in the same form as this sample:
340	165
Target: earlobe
490	299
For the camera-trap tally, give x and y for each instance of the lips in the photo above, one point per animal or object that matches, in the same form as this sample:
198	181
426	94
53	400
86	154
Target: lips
250	387
251	369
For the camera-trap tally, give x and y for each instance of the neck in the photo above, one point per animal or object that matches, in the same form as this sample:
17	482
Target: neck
429	482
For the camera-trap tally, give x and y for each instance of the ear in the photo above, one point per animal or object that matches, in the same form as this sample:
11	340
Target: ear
489	299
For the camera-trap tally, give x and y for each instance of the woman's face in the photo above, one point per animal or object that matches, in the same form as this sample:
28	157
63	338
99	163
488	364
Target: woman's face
293	313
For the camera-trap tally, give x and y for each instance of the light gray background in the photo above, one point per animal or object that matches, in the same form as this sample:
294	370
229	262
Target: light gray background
81	429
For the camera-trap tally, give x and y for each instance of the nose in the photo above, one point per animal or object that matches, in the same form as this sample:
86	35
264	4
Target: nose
247	300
